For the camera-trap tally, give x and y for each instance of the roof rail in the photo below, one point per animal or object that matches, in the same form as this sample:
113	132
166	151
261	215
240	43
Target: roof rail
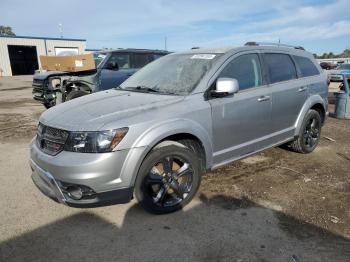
272	44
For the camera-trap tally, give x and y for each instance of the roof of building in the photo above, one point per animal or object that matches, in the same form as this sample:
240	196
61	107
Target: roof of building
44	38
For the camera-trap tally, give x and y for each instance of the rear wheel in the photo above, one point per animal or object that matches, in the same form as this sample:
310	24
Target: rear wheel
168	178
310	133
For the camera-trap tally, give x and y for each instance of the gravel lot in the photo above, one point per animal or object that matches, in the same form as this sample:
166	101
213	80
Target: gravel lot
274	206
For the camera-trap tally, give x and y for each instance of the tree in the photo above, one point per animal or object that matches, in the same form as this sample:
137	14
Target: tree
6	31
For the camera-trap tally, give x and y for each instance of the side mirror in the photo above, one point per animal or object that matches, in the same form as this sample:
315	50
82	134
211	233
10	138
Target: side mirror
225	87
112	66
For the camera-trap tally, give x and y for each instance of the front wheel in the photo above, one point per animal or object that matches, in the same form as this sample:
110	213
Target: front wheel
310	133
168	178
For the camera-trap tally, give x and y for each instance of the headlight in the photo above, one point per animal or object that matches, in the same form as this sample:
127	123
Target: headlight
95	142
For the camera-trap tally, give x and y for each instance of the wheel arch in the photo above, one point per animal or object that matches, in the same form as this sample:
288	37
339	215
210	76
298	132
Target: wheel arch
175	131
315	102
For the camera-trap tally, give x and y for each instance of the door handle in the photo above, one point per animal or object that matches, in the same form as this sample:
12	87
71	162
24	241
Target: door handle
263	98
302	89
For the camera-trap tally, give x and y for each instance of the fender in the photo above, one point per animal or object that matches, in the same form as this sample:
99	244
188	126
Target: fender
310	102
150	137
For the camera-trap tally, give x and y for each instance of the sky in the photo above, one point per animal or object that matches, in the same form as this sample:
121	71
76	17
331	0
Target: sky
318	25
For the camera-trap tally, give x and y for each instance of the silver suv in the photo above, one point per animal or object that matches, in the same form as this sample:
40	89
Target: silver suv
155	135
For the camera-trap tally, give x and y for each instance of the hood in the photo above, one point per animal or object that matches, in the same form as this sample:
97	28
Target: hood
91	112
45	75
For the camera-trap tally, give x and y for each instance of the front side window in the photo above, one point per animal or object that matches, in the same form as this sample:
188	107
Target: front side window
123	60
280	67
307	68
246	69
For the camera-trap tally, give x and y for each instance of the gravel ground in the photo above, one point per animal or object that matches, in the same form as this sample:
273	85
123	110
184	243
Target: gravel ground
274	206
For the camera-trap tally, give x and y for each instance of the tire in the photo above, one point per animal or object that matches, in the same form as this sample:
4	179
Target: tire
310	133
47	106
160	191
75	94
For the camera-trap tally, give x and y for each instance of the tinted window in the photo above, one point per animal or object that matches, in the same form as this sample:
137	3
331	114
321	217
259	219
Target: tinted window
246	69
280	67
307	68
140	60
123	60
156	56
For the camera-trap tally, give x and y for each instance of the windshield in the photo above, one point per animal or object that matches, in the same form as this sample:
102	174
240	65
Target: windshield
344	66
172	74
98	58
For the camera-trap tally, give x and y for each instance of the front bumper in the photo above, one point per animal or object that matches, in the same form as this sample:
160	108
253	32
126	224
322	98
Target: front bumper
110	176
50	187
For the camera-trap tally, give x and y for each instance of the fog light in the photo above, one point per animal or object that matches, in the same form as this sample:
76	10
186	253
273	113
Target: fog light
75	192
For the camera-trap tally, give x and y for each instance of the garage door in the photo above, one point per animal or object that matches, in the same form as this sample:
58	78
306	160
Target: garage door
23	59
65	51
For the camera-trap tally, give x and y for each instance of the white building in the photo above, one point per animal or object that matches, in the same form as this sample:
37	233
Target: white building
335	60
19	55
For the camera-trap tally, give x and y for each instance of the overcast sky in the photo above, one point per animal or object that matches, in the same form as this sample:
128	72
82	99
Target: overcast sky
318	25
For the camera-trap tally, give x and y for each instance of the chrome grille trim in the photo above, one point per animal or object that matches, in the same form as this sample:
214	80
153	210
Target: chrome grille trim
51	140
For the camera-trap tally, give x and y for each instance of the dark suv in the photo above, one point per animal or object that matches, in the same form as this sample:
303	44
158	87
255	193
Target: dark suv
112	68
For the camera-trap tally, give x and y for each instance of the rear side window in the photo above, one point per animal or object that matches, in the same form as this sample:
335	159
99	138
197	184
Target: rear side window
140	60
280	67
246	69
306	66
156	56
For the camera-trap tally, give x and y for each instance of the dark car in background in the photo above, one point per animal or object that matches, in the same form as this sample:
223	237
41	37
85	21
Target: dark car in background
327	65
112	68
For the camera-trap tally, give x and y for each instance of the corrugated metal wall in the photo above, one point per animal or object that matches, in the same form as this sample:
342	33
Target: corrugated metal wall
5	65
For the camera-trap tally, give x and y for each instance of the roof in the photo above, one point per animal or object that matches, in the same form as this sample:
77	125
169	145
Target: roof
44	38
234	49
134	50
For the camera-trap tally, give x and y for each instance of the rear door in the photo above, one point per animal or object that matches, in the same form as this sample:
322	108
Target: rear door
241	123
288	94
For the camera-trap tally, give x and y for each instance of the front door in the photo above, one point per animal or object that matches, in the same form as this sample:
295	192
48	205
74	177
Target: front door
110	78
241	123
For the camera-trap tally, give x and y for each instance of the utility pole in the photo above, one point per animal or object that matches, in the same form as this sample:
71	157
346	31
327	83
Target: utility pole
165	43
60	29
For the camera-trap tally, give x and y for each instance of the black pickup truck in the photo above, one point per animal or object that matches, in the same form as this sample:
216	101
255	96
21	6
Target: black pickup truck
112	68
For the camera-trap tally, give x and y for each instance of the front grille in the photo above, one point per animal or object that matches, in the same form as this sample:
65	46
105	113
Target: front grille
38	84
51	140
38	89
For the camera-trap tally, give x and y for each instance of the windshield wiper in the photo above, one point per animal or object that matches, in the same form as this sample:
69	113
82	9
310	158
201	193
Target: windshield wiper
139	88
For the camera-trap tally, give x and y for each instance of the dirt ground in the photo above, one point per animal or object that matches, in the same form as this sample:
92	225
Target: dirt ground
274	206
